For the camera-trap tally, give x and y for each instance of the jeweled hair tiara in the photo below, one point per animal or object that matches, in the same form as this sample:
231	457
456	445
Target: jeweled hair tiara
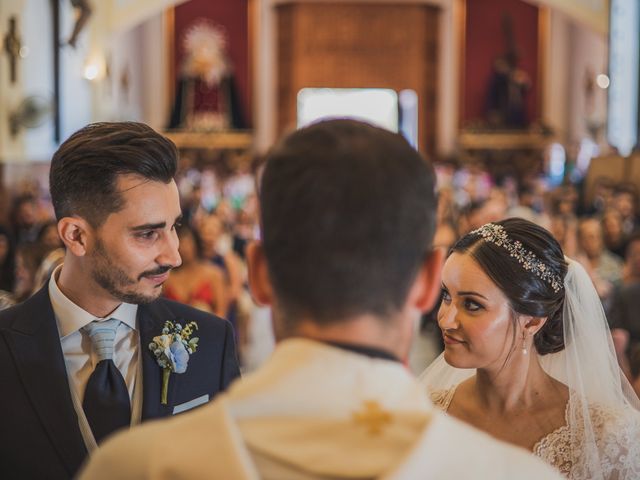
497	235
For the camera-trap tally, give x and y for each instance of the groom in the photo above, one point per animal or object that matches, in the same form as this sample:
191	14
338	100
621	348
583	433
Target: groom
75	361
347	216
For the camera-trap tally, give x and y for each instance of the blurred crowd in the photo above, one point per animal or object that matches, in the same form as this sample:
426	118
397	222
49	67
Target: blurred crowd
601	230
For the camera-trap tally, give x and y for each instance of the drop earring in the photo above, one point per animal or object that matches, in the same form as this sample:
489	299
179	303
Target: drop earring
524	343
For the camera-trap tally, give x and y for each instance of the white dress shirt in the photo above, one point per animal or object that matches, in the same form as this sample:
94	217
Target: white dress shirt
80	360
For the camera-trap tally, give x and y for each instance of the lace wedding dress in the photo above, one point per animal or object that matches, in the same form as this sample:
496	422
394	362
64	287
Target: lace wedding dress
616	438
600	439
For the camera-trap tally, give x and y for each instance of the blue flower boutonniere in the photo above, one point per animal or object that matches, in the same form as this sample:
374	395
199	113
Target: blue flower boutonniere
172	350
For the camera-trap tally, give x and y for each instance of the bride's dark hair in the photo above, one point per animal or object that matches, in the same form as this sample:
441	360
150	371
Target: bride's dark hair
528	294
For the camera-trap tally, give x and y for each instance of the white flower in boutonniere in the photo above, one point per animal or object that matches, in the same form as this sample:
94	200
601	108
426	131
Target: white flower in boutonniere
172	350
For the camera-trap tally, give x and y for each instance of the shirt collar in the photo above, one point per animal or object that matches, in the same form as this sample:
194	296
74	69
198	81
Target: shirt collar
71	318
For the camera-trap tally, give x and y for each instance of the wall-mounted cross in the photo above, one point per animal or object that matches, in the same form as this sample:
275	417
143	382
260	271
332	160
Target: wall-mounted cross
12	45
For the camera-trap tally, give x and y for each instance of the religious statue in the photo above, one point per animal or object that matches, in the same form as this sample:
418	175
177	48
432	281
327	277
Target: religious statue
206	96
506	106
83	12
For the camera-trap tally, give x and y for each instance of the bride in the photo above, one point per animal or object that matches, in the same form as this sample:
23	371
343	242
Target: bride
528	354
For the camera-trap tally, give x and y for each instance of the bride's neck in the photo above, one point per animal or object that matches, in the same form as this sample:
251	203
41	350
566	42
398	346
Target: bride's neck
515	386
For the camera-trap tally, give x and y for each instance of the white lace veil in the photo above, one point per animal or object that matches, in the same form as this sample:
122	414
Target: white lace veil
589	368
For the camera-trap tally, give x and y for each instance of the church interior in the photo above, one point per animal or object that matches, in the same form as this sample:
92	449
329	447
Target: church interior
524	107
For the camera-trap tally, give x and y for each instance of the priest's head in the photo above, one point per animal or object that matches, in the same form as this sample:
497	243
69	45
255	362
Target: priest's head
348	218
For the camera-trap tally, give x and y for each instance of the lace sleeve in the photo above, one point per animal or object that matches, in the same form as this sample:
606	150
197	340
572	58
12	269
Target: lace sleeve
618	446
617	450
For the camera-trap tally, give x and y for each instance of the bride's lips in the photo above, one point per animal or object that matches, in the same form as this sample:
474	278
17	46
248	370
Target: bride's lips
449	340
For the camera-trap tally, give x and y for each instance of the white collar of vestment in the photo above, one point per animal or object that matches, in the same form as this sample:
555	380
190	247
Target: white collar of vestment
312	388
317	365
71	318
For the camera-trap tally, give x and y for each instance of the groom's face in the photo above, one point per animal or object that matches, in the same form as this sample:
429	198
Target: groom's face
136	247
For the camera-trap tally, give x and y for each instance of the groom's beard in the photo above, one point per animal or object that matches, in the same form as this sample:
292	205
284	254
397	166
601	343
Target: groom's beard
117	282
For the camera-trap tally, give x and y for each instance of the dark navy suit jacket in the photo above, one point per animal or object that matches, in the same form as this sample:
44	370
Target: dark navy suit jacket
39	433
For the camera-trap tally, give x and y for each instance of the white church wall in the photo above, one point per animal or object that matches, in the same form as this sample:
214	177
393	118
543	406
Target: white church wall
11	147
588	56
36	78
557	75
132	86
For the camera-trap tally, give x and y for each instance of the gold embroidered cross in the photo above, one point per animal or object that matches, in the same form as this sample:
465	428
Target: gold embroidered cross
372	416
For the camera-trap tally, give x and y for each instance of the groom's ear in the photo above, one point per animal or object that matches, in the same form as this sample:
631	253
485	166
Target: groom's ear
74	233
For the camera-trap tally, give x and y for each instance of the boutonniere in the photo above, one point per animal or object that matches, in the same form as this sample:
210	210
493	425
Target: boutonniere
172	350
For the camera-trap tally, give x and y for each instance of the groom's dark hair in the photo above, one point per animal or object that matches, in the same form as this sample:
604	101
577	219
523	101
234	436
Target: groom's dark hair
348	215
85	169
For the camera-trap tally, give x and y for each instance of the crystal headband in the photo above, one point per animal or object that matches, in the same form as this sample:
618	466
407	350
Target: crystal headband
496	234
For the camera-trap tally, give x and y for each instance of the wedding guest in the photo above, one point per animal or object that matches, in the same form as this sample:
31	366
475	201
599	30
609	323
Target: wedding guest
625	200
530	205
445	236
631	268
614	237
347	216
634	367
49	263
564	201
196	282
602	199
604	267
528	354
624	307
24	219
48	236
53	254
7	260
564	229
95	349
191	205
243	232
29	256
217	249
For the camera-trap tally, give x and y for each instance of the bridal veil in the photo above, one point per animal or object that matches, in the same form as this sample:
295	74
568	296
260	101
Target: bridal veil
601	439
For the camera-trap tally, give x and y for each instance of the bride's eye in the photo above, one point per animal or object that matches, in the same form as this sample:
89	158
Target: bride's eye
446	298
471	305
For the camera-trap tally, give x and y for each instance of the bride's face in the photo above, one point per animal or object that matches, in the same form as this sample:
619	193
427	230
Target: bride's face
474	316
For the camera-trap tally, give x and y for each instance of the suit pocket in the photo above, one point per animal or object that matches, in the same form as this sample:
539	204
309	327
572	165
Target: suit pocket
196	402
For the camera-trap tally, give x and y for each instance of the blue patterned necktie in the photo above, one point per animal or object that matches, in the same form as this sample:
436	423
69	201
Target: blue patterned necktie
106	398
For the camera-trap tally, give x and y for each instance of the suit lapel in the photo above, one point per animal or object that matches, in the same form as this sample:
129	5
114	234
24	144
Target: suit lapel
34	342
151	319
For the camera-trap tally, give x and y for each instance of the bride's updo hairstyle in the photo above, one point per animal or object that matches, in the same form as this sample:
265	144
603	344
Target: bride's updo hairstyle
534	284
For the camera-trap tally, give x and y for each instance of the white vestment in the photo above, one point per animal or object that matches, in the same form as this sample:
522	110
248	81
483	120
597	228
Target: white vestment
315	411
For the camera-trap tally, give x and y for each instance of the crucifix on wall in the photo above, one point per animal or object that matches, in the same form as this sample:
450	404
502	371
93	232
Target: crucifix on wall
12	45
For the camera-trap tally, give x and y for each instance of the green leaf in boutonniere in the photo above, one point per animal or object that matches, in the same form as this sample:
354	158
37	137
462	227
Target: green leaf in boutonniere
172	350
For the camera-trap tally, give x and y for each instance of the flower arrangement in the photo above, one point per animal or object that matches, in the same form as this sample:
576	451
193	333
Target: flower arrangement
172	350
